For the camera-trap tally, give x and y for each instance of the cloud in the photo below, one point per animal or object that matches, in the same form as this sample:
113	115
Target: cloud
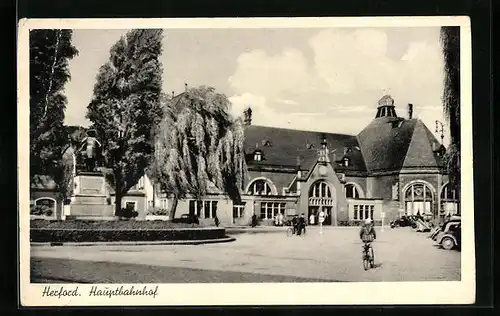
290	102
349	71
270	75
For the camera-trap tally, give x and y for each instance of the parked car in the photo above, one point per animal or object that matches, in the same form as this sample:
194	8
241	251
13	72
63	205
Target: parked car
440	227
185	218
404	221
449	234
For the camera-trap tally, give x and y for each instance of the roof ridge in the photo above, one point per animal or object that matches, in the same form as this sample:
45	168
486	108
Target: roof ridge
411	140
302	130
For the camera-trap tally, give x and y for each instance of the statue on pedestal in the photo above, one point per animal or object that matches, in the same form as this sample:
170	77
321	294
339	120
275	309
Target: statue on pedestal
90	150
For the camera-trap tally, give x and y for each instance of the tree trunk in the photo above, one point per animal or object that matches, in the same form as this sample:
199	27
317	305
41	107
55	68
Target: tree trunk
118	203
173	207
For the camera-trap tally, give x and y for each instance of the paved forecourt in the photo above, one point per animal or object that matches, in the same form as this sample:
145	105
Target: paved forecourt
401	254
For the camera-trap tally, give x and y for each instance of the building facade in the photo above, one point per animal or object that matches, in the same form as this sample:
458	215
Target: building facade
392	167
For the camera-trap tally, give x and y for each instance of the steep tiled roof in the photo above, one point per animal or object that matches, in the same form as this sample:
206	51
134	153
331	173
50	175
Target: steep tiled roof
281	147
422	151
384	142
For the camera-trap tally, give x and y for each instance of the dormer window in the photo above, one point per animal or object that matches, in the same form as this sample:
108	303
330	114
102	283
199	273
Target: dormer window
257	155
346	162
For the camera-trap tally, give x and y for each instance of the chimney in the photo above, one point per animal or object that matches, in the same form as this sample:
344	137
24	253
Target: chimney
185	87
173	94
410	111
247	116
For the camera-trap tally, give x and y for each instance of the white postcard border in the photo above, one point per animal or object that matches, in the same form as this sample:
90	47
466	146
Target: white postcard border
355	293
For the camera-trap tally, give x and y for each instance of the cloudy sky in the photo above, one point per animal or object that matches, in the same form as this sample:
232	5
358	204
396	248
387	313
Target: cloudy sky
313	79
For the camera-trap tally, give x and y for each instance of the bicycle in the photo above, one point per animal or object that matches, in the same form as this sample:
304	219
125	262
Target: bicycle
368	256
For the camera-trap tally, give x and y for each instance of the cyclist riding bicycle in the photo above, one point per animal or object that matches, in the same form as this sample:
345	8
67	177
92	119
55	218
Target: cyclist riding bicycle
367	232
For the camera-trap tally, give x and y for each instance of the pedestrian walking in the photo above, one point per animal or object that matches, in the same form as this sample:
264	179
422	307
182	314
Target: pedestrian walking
321	219
216	221
254	220
311	219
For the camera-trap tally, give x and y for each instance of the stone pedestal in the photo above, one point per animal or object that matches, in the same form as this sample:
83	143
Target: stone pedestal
89	198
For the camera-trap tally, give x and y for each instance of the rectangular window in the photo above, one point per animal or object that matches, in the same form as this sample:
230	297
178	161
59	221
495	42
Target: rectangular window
361	212
192	207
263	210
238	210
367	214
409	208
214	209
372	209
355	212
268	210
130	205
206	209
427	208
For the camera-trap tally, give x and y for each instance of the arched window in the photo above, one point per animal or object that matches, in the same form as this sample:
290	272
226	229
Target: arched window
418	199
259	187
449	200
44	206
351	192
320	189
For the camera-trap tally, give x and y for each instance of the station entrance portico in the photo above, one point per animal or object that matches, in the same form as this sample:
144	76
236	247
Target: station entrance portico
321	199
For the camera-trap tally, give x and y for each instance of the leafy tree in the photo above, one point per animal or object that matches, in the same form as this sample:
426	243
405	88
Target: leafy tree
126	105
50	52
450	40
198	144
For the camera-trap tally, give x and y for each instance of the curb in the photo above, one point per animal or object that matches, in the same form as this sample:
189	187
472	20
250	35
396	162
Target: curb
134	243
253	231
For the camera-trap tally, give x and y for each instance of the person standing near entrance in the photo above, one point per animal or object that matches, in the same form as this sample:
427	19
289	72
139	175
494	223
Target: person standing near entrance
280	219
301	224
321	219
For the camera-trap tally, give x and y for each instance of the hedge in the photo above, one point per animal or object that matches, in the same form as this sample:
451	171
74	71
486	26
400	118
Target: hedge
131	230
103	224
107	235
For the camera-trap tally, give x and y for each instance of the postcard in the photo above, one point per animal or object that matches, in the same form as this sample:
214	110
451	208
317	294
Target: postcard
245	161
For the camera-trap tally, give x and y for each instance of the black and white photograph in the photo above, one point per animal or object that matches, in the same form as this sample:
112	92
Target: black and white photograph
246	161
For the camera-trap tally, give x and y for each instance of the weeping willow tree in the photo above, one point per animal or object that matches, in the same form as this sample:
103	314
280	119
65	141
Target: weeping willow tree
199	145
450	41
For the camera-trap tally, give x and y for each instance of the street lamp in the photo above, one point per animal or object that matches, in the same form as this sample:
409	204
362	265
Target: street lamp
440	129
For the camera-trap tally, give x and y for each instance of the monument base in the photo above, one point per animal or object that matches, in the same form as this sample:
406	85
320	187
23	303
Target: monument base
89	200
